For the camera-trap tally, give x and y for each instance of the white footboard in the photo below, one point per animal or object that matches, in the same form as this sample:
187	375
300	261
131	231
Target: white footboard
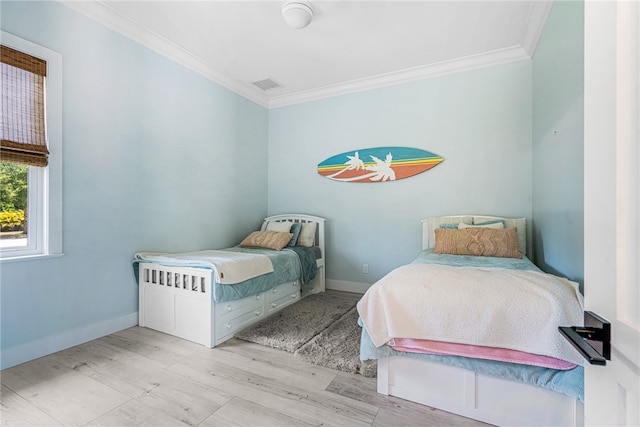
481	397
178	301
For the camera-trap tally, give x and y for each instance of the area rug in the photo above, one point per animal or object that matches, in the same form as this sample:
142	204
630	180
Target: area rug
338	347
294	326
321	328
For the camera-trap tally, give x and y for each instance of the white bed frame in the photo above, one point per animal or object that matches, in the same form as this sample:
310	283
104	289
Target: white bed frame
179	301
481	397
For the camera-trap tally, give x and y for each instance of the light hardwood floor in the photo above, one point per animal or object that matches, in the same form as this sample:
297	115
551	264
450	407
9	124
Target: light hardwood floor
140	377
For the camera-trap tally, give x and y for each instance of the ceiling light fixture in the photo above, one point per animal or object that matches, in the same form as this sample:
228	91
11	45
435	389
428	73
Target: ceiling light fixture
297	14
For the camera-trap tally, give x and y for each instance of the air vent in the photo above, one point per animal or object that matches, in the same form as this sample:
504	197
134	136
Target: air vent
266	84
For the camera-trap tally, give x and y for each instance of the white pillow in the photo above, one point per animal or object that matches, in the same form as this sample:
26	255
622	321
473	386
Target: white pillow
283	226
492	225
307	234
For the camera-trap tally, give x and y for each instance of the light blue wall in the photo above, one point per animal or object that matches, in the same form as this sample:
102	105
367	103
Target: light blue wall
130	184
558	122
155	158
478	121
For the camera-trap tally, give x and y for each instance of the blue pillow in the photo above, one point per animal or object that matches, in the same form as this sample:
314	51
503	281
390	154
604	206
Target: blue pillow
448	226
295	229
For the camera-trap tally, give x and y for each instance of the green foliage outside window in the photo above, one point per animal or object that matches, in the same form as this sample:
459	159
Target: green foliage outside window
12	221
13	196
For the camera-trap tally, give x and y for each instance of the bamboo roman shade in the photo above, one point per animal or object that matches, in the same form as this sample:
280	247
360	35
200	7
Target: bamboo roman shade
23	132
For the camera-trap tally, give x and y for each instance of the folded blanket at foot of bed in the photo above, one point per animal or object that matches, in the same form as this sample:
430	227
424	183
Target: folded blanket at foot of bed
229	266
289	264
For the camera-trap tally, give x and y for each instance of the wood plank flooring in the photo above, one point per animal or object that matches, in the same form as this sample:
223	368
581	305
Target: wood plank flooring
140	377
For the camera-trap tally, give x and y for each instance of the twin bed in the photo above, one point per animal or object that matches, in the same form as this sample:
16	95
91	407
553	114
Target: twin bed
469	327
208	296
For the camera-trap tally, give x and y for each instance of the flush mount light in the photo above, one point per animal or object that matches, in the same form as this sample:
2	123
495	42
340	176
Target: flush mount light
297	14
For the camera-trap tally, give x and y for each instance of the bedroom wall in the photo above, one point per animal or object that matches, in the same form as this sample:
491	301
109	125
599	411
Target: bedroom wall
478	121
156	158
558	123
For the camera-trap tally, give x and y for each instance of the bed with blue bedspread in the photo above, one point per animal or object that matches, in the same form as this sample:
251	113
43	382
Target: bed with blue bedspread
207	296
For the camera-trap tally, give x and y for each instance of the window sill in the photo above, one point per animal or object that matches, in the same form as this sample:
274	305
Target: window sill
29	257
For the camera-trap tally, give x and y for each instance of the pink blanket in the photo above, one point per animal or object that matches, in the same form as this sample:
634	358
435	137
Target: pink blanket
479	352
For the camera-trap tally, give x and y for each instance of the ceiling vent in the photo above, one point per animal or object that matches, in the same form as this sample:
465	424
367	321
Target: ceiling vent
267	84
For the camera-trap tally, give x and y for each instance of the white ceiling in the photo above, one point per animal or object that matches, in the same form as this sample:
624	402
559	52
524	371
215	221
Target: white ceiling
349	46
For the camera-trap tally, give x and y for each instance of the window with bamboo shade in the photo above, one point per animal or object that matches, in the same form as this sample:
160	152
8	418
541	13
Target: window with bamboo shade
23	125
31	140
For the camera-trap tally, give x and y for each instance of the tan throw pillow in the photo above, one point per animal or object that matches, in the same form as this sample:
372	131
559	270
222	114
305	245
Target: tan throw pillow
478	242
267	239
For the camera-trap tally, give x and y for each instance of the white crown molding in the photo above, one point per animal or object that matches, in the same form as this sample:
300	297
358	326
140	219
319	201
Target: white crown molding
474	62
537	18
99	11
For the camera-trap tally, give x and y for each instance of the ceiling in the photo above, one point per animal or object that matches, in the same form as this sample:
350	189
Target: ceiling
349	46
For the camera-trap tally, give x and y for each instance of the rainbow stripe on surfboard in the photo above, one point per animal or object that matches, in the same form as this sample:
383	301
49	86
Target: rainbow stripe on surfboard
378	164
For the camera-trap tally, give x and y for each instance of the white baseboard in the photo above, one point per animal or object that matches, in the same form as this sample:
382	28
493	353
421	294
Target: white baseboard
344	286
32	350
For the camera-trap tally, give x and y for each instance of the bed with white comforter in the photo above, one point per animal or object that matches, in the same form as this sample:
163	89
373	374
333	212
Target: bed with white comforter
476	335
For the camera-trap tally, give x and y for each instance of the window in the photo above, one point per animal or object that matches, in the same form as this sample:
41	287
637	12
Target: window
30	150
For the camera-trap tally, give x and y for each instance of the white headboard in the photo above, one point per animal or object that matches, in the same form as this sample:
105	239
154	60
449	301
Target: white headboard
302	218
430	224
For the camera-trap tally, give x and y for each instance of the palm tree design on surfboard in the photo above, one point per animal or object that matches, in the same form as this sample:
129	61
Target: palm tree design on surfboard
378	164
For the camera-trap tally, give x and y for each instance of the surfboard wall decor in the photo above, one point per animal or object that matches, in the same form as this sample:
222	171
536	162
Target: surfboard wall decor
378	164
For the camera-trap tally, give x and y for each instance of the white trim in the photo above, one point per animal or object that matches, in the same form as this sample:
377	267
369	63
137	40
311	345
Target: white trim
344	286
50	229
101	12
30	257
469	63
612	204
537	18
51	344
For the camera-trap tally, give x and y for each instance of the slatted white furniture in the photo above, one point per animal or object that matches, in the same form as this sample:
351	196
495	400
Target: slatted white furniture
179	301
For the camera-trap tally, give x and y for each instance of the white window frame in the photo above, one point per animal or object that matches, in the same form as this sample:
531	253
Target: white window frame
45	184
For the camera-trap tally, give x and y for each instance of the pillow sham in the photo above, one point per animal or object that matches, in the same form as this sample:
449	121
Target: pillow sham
307	234
481	241
493	221
287	227
283	226
496	225
295	230
267	239
449	226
